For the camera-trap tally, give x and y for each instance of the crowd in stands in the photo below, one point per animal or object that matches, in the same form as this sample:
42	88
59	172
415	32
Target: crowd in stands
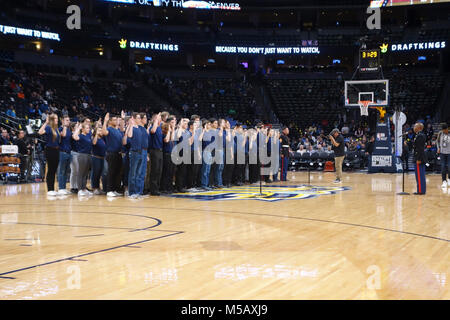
208	96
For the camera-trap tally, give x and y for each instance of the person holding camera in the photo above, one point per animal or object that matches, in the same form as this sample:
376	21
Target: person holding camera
24	152
338	147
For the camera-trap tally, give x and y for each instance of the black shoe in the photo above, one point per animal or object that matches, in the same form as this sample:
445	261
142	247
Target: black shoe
156	193
74	190
269	181
182	191
419	194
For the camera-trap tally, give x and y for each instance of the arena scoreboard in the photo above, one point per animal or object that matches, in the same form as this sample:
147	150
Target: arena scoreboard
369	60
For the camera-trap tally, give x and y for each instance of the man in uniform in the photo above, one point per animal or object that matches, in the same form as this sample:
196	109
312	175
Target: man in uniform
284	154
419	158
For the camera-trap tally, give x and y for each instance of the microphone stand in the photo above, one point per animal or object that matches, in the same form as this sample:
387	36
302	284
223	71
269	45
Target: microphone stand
403	193
404	158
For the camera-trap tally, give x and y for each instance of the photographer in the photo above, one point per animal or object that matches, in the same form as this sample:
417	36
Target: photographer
339	152
23	153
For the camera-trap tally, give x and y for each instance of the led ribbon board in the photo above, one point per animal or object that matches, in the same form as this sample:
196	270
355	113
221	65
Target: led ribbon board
431	45
190	4
29	33
267	50
419	46
394	3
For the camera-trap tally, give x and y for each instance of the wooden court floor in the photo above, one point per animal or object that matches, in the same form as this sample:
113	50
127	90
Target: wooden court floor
355	241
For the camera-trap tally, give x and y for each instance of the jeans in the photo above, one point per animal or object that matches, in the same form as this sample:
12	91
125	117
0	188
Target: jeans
74	170
445	163
63	169
206	168
97	170
105	175
84	164
133	175
142	172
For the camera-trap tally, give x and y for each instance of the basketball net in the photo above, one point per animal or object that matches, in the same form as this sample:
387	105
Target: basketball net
364	107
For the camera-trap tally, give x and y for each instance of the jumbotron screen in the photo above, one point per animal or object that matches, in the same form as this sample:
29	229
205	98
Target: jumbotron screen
393	3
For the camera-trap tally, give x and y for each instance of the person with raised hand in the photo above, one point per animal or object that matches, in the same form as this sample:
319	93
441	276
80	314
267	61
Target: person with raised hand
52	138
168	131
65	149
182	133
135	137
83	136
112	133
144	154
156	154
98	158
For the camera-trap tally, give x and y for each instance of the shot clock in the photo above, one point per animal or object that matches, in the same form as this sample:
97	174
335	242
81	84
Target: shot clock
369	60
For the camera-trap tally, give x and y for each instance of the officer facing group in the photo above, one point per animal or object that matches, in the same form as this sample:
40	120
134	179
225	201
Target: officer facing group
419	157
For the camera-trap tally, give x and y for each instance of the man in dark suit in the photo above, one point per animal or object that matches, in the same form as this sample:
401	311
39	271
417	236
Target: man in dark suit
419	158
284	153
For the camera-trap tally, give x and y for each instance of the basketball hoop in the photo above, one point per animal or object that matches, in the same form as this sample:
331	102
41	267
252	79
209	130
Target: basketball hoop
364	107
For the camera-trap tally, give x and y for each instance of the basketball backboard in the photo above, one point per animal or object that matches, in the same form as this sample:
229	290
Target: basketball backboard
376	91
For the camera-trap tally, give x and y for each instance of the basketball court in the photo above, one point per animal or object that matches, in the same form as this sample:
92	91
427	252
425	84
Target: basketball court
356	240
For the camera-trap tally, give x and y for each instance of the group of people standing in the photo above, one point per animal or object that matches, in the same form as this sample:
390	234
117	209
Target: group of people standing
134	156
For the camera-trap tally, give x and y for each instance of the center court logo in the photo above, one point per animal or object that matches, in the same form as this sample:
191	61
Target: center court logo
270	193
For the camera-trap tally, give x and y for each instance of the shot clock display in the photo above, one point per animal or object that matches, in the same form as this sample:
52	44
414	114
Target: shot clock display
369	60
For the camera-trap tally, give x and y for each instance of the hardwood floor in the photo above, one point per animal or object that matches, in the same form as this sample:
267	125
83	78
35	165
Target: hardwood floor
358	240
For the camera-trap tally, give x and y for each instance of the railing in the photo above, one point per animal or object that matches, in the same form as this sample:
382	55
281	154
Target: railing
18	122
